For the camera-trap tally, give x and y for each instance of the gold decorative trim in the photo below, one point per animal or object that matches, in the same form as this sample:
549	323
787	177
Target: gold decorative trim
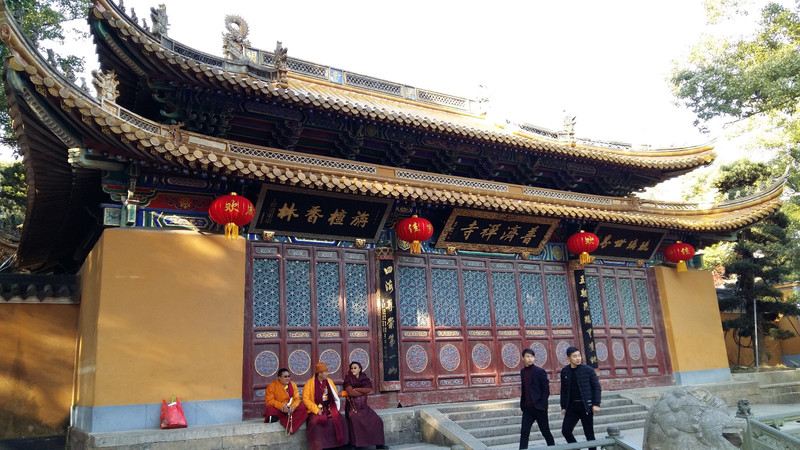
299	334
358	334
266	334
479	333
508	333
329	334
535	332
410	333
448	333
562	332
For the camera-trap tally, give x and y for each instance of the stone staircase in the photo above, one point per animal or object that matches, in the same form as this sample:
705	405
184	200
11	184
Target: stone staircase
497	425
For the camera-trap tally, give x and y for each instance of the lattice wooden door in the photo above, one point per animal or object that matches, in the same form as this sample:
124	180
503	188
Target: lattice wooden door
626	323
464	321
306	304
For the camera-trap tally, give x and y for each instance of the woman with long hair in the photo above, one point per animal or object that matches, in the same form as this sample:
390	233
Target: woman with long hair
366	427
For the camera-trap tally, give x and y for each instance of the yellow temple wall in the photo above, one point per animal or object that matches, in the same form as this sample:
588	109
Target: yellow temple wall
786	352
37	361
744	356
693	329
162	313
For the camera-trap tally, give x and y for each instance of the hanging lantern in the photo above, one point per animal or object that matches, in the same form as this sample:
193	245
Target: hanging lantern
233	211
583	243
679	253
414	230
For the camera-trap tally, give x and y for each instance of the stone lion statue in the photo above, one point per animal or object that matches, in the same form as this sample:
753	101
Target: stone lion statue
691	418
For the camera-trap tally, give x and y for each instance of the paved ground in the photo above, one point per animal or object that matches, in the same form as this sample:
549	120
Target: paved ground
635	437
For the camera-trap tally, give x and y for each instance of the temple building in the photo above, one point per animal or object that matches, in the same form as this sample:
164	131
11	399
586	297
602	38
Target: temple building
140	295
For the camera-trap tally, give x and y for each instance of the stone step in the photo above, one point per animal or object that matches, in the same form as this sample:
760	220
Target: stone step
599	431
511	408
489	430
506	417
611	398
420	446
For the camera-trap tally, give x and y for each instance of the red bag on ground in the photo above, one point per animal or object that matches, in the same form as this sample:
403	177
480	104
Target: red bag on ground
172	414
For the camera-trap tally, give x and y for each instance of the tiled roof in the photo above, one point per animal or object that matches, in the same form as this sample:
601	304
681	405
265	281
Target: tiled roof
356	102
31	288
280	166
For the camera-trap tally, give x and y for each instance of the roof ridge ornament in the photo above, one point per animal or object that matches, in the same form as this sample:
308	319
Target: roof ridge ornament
568	132
281	65
235	40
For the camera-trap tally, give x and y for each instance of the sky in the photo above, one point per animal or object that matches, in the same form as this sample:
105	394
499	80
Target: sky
607	63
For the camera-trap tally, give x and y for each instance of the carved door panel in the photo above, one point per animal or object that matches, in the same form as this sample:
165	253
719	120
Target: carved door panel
464	321
625	321
418	348
306	304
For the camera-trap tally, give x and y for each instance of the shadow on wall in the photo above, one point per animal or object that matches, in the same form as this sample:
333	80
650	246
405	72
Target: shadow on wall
19	409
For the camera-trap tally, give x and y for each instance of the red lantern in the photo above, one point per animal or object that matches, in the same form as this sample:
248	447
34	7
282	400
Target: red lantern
583	243
414	230
679	253
233	211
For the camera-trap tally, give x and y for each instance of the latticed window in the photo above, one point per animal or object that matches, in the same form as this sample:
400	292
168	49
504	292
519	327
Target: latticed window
496	294
618	297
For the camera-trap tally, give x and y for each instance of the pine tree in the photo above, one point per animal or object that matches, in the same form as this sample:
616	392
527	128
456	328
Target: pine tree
762	258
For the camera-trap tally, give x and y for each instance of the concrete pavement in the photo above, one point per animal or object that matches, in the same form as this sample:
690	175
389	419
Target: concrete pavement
633	437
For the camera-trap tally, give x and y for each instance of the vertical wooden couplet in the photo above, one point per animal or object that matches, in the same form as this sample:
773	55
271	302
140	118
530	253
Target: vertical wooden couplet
387	304
585	317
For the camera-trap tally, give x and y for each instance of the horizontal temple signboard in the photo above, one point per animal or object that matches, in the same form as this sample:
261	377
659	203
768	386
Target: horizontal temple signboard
310	213
495	232
627	243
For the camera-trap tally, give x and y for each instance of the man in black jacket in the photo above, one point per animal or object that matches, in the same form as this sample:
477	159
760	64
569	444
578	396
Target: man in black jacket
533	402
580	396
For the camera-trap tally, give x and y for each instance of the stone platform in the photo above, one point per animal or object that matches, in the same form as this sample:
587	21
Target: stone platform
430	426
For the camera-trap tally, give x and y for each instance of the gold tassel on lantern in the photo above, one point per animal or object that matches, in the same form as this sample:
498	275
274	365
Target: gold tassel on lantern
681	266
231	231
415	247
585	258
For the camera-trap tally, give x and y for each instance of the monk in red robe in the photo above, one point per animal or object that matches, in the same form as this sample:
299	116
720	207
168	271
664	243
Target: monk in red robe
283	403
326	427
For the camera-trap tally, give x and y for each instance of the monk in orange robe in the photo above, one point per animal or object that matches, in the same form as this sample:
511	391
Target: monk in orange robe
283	403
326	427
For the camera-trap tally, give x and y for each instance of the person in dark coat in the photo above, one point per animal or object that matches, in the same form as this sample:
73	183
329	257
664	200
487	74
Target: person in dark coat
533	401
366	426
580	396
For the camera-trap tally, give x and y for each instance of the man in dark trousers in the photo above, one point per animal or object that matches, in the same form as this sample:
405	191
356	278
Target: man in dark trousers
580	396
535	392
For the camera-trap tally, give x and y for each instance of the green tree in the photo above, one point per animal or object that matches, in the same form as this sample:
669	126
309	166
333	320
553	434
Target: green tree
42	21
12	200
748	77
763	256
754	81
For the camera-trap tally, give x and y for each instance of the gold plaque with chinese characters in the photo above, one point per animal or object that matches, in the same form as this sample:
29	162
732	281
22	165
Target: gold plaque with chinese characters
496	232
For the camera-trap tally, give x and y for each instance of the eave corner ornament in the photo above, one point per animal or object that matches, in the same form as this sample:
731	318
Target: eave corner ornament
106	84
160	21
